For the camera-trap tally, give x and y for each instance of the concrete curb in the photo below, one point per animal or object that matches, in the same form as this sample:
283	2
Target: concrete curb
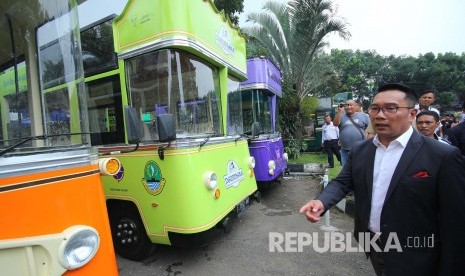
309	168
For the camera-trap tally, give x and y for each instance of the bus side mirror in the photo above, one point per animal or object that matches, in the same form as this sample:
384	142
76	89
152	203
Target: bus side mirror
166	127
255	129
133	125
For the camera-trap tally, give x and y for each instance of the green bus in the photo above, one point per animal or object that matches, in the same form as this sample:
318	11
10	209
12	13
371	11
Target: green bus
162	79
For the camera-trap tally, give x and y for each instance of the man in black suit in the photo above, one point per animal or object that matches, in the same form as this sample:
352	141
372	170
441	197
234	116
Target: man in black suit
406	186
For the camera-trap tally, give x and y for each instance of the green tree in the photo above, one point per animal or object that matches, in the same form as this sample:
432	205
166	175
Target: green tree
255	48
294	34
360	72
232	8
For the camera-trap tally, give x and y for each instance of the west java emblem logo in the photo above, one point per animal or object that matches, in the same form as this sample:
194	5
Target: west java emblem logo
235	175
153	181
224	41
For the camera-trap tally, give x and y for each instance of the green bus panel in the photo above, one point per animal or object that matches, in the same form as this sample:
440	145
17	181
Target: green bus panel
171	194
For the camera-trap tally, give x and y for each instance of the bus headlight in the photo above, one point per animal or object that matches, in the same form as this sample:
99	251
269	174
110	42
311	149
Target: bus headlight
271	165
285	156
210	180
109	166
251	162
79	246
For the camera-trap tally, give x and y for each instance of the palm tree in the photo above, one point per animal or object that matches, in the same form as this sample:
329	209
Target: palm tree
294	34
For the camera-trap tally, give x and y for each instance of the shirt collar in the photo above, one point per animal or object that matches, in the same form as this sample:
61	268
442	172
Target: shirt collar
402	140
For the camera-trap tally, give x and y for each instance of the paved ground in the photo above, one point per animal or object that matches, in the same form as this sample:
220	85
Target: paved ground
245	251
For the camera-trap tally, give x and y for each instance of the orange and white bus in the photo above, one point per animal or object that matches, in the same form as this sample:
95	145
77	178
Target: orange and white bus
53	218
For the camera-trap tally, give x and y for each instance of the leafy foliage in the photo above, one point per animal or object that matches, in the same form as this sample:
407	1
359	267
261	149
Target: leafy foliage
232	8
308	107
361	72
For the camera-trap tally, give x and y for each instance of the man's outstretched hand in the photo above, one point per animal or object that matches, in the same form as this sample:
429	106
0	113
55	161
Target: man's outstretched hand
312	210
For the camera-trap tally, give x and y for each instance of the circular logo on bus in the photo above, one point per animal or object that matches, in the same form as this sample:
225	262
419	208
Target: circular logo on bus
153	181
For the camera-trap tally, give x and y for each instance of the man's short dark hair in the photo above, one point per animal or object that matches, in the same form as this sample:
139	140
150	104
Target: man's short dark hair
410	94
429	112
428	91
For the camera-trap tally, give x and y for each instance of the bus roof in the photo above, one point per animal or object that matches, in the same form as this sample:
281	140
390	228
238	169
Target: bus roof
193	25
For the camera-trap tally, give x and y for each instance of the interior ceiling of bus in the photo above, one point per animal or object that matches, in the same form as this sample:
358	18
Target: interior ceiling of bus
25	16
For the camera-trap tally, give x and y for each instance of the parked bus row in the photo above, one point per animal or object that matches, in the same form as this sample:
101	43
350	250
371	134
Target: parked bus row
184	127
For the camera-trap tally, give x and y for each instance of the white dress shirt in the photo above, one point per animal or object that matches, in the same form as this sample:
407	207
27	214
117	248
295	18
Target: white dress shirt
329	132
386	160
417	107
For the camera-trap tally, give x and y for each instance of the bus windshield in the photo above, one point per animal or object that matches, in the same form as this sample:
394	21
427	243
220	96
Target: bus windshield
175	82
256	106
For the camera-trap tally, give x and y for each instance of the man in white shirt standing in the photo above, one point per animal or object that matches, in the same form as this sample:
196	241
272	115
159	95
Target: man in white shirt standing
426	99
330	140
407	187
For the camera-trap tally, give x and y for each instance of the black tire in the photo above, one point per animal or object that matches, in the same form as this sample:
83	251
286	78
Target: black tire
130	239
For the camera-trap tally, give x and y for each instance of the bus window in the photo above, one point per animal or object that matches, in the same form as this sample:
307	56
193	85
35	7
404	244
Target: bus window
235	123
98	53
57	116
14	107
105	116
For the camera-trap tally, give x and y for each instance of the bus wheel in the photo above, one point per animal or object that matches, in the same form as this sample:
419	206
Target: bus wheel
129	236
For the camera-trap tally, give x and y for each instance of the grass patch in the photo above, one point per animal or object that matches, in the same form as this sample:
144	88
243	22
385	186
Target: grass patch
317	157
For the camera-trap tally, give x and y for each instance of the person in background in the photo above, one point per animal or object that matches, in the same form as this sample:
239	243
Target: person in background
330	141
427	121
462	115
426	99
407	187
446	124
359	107
370	132
456	122
352	125
457	136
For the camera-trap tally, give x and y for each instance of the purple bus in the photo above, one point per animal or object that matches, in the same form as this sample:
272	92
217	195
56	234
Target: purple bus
259	111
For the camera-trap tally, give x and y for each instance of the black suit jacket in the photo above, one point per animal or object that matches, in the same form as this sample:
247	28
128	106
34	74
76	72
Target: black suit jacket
416	208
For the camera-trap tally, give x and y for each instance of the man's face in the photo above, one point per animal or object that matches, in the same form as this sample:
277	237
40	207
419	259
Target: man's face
426	125
328	120
350	107
426	99
390	126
